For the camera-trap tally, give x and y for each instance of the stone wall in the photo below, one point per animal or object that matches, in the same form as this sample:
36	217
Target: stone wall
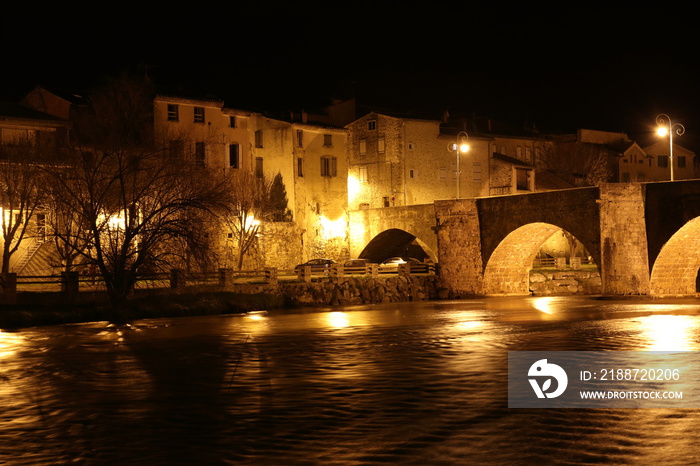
363	290
547	283
459	246
624	262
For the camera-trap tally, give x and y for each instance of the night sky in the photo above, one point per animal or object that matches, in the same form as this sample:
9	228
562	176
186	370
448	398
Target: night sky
596	68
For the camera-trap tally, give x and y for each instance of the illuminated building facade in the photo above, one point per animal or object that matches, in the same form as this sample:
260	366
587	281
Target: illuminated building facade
310	158
399	161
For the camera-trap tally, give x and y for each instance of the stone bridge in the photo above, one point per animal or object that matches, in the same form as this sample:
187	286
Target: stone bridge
644	237
377	234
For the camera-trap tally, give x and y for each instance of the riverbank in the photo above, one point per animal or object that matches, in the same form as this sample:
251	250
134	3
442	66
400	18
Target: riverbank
38	312
53	308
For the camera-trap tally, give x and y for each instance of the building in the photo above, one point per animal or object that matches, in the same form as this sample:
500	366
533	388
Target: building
590	157
399	161
656	166
25	132
309	158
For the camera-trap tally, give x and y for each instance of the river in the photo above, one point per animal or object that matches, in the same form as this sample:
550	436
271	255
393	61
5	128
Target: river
421	383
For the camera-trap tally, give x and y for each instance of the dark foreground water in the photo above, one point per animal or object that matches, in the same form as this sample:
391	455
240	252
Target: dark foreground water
417	383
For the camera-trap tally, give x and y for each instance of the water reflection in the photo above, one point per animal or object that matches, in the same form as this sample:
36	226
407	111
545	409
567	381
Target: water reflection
665	332
10	343
338	319
416	383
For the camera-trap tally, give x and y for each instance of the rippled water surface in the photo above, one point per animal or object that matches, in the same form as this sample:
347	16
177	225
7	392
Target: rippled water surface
417	383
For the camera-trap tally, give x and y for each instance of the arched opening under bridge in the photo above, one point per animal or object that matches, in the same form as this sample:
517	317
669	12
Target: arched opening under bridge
675	270
397	243
535	245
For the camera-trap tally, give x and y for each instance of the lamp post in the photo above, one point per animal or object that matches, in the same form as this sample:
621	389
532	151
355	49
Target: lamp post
666	126
460	147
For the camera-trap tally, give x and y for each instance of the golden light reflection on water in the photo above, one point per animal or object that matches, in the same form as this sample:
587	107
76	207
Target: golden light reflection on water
470	324
10	343
665	332
338	319
545	304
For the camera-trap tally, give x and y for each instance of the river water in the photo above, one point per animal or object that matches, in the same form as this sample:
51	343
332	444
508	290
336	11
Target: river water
421	383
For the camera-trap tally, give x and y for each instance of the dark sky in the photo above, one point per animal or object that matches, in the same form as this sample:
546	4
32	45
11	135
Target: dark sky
587	67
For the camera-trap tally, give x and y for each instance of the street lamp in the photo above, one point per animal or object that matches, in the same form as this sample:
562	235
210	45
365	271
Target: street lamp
460	147
667	127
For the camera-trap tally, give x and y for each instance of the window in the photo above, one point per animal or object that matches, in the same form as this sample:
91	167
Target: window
385	201
641	177
300	138
522	179
380	145
411	173
176	149
327	140
372	125
662	160
363	146
258	138
234	156
363	174
681	161
364	206
199	157
443	173
232	122
300	167
329	166
259	167
625	177
199	114
528	154
173	113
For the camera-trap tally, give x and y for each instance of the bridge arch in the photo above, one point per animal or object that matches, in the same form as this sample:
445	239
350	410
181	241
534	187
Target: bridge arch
369	226
508	268
396	242
675	270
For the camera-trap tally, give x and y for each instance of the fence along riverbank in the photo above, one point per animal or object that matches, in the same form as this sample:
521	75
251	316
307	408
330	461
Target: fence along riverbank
336	285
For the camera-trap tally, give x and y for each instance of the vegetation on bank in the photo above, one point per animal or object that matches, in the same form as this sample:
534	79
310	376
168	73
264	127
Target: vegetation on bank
39	313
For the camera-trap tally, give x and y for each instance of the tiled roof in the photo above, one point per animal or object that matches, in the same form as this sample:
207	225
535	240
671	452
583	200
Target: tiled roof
16	111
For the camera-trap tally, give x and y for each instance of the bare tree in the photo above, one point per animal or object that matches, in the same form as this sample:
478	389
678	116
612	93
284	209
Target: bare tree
21	195
65	224
578	164
130	211
130	207
250	206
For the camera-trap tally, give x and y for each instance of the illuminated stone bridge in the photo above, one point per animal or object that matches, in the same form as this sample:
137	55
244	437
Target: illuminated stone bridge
644	237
